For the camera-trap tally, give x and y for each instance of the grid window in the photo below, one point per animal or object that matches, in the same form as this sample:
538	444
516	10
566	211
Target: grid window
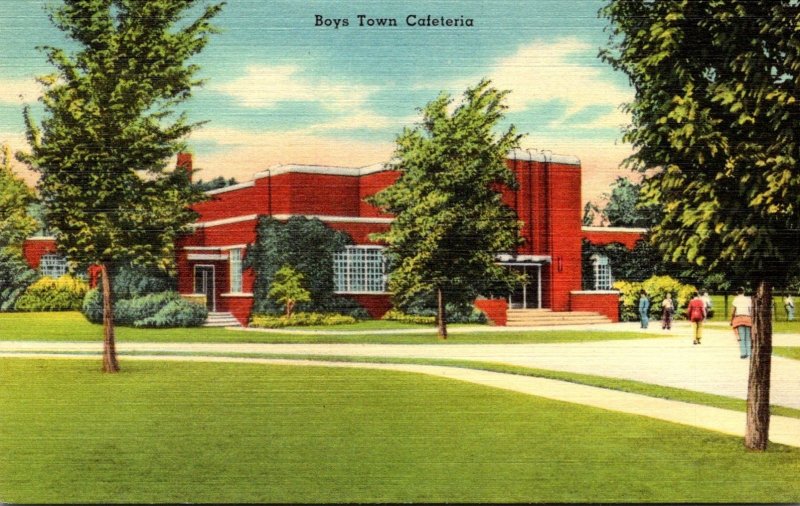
53	265
603	280
235	262
359	269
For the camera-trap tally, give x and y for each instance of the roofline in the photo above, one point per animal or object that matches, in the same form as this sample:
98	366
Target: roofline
632	230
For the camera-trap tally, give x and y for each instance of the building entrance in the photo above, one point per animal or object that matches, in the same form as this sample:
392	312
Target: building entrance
204	284
529	295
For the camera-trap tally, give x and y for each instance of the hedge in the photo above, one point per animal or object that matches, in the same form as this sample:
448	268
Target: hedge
47	294
299	319
165	309
657	288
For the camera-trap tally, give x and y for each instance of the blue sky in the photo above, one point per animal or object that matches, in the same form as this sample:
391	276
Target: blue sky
282	90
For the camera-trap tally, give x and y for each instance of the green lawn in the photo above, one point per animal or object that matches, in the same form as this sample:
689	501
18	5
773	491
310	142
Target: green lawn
72	326
787	351
183	432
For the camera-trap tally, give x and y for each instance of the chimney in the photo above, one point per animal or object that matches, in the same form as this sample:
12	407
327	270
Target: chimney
185	162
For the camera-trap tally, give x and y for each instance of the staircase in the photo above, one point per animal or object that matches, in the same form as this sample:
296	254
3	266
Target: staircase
221	320
547	317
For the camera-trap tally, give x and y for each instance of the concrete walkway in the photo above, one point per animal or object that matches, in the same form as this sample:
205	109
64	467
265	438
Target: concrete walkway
782	430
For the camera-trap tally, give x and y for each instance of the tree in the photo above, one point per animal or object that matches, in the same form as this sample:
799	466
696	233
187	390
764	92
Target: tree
287	289
16	223
625	207
715	126
110	127
450	222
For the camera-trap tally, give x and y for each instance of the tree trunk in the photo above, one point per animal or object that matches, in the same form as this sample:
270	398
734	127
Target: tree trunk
441	315
757	433
110	363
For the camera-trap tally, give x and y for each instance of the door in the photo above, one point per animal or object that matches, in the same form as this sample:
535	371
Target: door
529	295
204	284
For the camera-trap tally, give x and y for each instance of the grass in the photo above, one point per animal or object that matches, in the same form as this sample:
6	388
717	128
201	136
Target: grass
787	352
72	326
181	432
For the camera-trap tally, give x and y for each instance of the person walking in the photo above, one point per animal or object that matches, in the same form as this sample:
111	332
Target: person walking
709	305
788	304
667	308
644	309
742	322
696	311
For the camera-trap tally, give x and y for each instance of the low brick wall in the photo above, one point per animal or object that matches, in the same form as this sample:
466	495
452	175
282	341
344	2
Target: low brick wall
495	309
605	302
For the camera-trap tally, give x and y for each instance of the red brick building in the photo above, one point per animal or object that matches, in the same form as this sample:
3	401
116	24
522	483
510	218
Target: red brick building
547	201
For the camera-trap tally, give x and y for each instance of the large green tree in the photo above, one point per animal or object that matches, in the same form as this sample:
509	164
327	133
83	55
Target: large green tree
715	126
450	222
109	129
16	223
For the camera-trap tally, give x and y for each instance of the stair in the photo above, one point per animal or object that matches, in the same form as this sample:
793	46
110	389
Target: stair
219	319
547	317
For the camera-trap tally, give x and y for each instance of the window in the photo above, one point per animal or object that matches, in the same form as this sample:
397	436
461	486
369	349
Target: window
53	265
359	269
235	262
602	272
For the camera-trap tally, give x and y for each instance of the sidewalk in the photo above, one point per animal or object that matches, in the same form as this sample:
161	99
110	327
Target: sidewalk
782	430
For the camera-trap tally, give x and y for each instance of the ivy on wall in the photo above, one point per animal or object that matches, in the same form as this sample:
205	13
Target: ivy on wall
306	245
638	264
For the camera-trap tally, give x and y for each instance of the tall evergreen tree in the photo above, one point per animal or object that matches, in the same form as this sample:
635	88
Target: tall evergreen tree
716	131
110	127
16	223
450	222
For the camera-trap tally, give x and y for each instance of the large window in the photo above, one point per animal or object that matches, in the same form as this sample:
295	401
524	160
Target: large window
602	272
53	265
235	262
359	269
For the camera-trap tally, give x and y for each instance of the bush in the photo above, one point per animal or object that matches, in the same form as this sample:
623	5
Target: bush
396	315
130	281
165	309
15	277
47	294
176	313
299	319
657	288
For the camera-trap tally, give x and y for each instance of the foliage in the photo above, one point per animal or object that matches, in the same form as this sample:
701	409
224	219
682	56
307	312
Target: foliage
626	265
213	184
657	288
715	127
457	311
111	124
16	223
48	294
397	315
15	277
287	289
176	313
299	319
450	221
164	309
136	280
307	246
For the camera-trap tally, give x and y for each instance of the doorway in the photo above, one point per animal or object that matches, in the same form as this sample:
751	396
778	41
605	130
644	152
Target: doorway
204	284
529	294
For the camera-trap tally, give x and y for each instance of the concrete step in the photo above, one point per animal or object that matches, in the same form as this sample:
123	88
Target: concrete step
220	319
546	317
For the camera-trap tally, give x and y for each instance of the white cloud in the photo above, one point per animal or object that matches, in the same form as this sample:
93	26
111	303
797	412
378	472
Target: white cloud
264	87
18	91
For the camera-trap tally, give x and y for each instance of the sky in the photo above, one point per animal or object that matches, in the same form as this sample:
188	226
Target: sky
284	84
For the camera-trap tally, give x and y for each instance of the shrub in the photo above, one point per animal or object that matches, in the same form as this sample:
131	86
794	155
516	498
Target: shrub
657	288
396	315
165	309
176	313
131	281
299	319
47	294
15	277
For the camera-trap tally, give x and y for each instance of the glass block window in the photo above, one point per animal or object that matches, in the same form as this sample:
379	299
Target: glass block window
53	265
602	272
235	262
359	269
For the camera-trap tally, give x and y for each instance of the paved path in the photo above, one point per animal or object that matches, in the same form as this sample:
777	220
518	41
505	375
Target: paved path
712	367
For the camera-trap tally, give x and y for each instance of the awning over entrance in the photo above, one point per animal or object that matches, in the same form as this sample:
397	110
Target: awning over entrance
529	295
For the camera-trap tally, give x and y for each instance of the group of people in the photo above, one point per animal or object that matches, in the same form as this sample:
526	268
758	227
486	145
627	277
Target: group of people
700	308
